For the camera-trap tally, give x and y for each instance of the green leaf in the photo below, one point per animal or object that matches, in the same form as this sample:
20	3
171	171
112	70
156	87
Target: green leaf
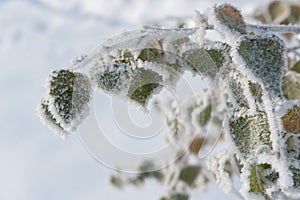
257	180
167	63
48	116
237	92
205	116
66	104
265	57
143	85
189	174
207	61
296	176
111	78
292	153
71	92
152	55
147	171
256	91
116	181
251	132
291	85
296	67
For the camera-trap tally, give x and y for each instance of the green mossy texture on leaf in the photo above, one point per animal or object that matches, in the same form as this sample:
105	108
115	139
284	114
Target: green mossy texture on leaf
152	55
113	78
251	132
48	115
71	92
265	57
167	62
292	153
65	104
189	174
143	85
205	61
296	176
237	92
61	89
217	56
291	148
256	91
291	85
257	180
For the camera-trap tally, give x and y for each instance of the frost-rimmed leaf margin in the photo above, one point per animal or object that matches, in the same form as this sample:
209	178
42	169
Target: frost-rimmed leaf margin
66	102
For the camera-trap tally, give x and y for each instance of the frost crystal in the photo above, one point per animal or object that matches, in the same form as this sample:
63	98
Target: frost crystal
249	82
265	56
66	103
113	79
230	17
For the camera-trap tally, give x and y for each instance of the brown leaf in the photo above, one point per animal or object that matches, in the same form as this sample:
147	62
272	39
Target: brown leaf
291	121
196	145
231	17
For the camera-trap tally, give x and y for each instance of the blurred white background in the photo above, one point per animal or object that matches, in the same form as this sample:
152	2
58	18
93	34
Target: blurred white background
37	36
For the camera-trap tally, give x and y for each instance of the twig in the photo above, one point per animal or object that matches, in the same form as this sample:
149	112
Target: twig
275	28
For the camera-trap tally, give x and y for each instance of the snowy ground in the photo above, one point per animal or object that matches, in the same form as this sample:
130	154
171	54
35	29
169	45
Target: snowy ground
37	36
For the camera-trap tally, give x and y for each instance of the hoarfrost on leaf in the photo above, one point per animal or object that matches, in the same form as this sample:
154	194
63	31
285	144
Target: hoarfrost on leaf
265	57
249	83
230	17
66	103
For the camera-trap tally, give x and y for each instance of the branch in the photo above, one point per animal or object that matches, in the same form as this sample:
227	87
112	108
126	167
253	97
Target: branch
274	28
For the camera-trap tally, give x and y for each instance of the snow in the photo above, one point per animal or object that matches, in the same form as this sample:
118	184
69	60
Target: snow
37	37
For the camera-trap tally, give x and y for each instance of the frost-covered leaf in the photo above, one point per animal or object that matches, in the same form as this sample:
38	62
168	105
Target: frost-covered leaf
265	57
292	153
291	85
48	117
143	85
291	120
230	17
167	63
251	132
207	61
189	174
66	103
112	78
256	91
237	93
258	180
296	176
152	54
292	147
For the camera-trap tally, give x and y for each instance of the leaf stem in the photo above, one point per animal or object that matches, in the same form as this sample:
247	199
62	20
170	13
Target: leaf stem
275	28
